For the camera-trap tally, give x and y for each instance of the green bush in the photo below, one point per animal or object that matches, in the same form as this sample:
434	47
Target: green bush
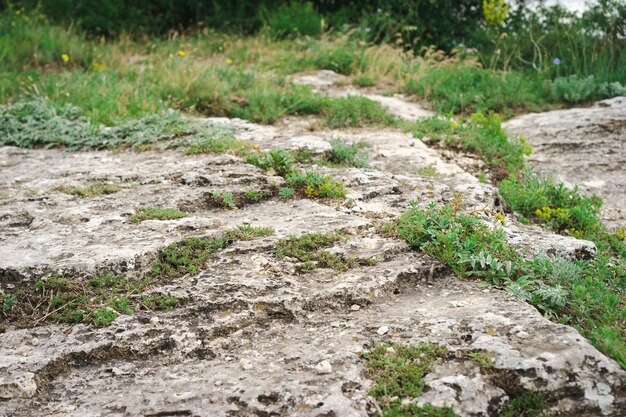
294	19
555	42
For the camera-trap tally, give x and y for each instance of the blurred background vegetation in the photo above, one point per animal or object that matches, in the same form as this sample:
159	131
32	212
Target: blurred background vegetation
121	58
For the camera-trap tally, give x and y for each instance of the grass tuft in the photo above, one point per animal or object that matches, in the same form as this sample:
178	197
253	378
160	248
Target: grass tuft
58	299
155	213
355	111
398	372
92	190
191	254
309	249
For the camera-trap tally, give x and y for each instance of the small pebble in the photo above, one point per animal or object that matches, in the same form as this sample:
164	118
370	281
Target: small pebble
24	350
457	304
382	330
218	383
154	320
324	367
390	350
245	364
355	307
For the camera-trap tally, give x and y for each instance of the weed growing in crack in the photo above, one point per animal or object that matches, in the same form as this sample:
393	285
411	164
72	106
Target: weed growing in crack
92	190
310	183
275	162
398	372
483	358
528	404
343	154
286	193
310	250
224	199
252	195
564	210
99	300
7	301
584	294
191	254
426	171
159	301
307	183
314	185
154	213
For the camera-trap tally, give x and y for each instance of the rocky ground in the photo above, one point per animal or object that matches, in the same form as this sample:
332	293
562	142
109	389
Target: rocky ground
255	336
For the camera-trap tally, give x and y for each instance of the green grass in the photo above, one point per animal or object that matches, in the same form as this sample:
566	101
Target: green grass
543	201
347	155
398	372
355	111
310	250
314	185
92	190
98	300
216	74
306	183
466	89
191	254
588	295
483	358
155	213
528	404
426	171
281	162
479	134
275	162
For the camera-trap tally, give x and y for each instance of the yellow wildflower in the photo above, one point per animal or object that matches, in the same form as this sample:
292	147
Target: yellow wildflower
454	125
495	11
229	61
65	57
98	66
181	53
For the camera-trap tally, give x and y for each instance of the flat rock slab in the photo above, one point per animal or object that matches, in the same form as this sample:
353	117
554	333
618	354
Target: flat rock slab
584	147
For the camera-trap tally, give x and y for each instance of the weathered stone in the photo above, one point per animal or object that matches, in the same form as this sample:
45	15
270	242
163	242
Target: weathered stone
584	147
